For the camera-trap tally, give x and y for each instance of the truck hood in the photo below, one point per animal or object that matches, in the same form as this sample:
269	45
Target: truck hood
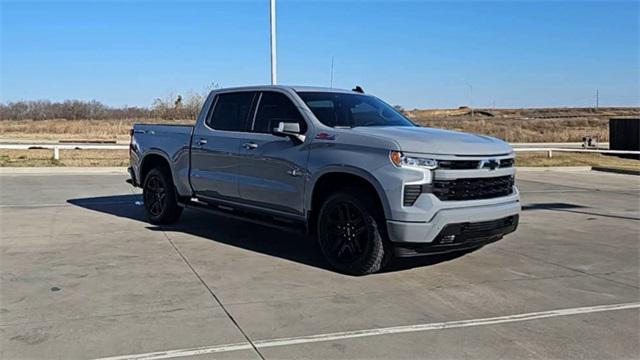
437	141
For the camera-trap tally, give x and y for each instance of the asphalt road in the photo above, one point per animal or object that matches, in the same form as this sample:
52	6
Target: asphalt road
83	276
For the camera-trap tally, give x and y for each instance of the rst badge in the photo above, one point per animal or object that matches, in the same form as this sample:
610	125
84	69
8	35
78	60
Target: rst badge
325	136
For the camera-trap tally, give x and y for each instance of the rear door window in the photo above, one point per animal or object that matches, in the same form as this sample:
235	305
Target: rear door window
275	107
231	111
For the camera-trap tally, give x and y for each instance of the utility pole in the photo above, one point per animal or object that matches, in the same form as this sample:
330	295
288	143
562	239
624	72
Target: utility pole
272	24
597	99
331	83
470	98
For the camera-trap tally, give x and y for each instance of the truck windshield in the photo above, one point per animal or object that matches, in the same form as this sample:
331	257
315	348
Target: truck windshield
352	110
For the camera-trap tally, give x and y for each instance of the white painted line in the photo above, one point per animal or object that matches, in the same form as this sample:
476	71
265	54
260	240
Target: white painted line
373	332
183	353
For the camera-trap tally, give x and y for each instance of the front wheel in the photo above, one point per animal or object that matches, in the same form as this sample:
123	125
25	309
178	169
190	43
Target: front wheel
350	233
160	198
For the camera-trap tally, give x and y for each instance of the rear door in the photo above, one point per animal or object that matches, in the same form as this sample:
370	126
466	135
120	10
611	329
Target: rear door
216	146
272	169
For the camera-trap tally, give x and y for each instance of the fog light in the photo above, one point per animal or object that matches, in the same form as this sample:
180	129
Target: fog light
447	239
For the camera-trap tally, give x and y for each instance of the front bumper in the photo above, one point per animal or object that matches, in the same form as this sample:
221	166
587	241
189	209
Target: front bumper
460	236
427	232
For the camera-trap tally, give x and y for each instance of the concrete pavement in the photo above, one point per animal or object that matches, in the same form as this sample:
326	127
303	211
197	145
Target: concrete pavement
82	275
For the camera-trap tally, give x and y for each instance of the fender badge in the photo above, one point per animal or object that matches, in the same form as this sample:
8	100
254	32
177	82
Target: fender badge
325	136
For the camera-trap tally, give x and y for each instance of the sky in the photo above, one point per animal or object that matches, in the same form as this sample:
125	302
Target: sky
417	54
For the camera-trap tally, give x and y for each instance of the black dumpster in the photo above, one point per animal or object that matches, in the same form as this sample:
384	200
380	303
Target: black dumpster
624	134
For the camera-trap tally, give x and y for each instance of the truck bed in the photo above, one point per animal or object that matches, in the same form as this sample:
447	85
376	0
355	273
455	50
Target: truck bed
170	141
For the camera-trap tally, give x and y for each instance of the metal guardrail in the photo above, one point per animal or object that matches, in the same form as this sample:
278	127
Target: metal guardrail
57	147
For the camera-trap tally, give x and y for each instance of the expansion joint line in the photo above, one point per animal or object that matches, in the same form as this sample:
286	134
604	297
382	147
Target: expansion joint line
215	297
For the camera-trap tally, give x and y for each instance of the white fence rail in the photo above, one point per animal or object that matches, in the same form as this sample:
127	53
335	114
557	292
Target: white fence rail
550	151
57	147
570	145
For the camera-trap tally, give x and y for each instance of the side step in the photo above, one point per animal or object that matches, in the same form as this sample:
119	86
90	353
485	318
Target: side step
271	221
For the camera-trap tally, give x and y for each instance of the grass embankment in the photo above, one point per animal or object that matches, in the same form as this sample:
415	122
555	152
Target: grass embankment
121	158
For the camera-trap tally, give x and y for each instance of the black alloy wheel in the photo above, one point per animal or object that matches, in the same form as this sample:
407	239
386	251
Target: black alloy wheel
348	233
351	233
159	197
155	195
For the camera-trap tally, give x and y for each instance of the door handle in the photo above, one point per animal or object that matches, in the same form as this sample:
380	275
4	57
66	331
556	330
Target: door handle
250	145
202	142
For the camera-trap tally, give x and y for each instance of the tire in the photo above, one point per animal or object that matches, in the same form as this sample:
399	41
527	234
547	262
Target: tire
159	195
351	233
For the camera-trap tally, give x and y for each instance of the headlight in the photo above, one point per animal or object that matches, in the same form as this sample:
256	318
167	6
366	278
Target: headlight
400	160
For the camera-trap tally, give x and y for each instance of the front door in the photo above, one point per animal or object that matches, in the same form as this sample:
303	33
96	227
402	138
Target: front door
272	169
216	146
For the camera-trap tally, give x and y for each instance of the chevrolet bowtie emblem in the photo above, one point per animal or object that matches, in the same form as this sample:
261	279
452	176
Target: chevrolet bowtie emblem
491	164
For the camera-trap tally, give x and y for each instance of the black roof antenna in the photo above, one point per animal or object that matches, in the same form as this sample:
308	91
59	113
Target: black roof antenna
358	89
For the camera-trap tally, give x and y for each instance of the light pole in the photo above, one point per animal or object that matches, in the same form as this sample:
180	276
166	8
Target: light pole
272	24
331	83
470	98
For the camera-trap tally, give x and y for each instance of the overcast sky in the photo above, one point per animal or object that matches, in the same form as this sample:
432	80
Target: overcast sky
411	53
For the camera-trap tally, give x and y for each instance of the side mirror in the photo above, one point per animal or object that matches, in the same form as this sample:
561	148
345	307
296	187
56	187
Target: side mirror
287	128
290	129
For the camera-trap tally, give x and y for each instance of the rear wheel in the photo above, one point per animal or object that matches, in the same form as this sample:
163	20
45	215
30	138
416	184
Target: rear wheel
350	233
159	197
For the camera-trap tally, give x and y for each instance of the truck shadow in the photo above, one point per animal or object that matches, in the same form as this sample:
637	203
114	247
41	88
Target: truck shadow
291	246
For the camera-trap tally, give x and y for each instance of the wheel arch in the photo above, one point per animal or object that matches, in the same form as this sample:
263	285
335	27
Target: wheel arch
154	159
335	178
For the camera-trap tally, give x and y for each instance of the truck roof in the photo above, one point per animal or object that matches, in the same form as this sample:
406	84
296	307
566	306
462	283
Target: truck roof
286	87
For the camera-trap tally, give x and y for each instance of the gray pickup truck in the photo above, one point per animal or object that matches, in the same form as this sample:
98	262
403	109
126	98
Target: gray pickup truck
339	164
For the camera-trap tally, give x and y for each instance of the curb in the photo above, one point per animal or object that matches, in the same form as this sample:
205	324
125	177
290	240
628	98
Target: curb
62	170
552	168
616	170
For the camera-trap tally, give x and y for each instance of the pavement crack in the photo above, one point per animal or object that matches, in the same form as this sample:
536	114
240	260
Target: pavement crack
215	297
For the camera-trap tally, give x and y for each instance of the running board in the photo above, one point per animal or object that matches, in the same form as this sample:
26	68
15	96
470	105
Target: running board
271	221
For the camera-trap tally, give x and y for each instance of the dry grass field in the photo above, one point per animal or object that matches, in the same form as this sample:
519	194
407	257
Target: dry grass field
513	125
540	159
526	125
60	129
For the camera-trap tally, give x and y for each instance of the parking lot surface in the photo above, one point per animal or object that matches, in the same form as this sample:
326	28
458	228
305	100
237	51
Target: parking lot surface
84	276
